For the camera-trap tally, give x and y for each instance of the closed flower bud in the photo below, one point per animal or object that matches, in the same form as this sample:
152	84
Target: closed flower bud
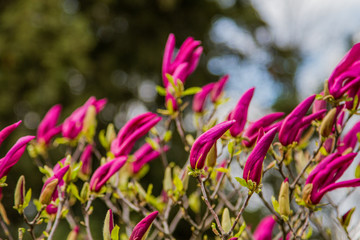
19	192
211	156
85	192
46	194
90	119
73	235
307	193
141	229
284	203
327	123
108	225
345	219
225	220
167	183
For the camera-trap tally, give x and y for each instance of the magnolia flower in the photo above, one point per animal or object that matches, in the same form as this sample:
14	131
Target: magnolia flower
143	226
73	125
266	122
144	155
105	172
254	164
4	133
49	191
218	88
346	75
322	179
240	113
14	154
200	97
296	122
184	63
265	228
350	139
319	105
85	158
132	131
205	141
47	128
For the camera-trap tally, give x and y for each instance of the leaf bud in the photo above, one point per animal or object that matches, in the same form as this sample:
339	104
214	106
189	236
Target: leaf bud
327	123
46	194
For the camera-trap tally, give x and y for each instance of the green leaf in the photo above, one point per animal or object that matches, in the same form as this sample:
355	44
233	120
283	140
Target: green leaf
213	228
241	181
275	203
27	198
167	136
75	170
357	171
194	202
309	233
319	97
74	191
231	147
223	170
154	145
241	230
115	233
103	140
161	91
191	91
323	151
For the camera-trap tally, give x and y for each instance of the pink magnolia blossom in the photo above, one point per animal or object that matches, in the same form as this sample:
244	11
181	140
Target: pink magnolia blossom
4	133
200	98
73	125
105	172
205	141
132	131
296	122
350	139
143	226
265	228
254	164
324	176
218	88
14	154
47	128
144	155
266	122
185	61
240	113
346	75
59	174
85	158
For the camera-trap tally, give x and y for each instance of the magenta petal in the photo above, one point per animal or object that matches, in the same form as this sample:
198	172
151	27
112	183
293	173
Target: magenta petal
219	88
4	133
49	123
205	141
254	163
240	112
200	97
105	172
265	228
142	227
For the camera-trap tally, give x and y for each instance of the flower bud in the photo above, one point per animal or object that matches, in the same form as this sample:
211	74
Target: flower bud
307	193
85	192
225	220
108	225
345	219
167	183
284	203
19	193
110	133
211	156
47	193
327	123
73	234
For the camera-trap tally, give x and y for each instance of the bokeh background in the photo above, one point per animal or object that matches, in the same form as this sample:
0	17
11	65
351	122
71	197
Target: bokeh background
64	51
